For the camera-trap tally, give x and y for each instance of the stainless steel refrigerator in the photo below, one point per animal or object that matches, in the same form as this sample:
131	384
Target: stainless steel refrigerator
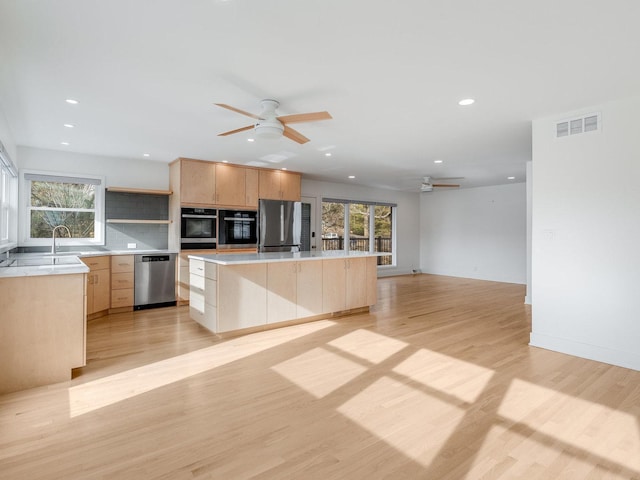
280	226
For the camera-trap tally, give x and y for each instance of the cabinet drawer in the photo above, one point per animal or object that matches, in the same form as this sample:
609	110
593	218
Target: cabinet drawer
96	263
196	281
121	280
121	298
121	263
196	266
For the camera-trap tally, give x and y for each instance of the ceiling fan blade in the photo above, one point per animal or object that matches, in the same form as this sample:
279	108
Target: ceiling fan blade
237	130
237	110
294	135
444	185
304	117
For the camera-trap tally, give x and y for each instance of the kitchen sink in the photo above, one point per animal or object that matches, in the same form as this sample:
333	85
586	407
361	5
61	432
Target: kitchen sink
42	261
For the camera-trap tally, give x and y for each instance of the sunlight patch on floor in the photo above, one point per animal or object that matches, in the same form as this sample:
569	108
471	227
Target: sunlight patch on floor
384	407
319	371
589	426
106	391
441	372
369	346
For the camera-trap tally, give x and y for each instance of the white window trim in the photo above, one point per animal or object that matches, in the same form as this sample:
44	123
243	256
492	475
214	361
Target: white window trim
372	205
25	194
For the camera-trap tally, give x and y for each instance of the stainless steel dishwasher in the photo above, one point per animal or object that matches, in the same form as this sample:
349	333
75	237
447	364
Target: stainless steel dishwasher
155	280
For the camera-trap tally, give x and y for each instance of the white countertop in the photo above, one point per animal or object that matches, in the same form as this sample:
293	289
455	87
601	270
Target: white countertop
66	268
242	258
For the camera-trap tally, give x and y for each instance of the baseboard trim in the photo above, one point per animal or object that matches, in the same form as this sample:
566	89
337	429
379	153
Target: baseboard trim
585	350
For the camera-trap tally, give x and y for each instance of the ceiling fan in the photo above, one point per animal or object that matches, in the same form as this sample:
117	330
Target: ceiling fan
270	125
428	186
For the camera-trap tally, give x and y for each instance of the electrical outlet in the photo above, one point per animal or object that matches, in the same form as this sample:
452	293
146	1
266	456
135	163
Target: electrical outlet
132	245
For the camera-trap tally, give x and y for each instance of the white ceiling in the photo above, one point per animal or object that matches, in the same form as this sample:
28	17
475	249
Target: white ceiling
147	73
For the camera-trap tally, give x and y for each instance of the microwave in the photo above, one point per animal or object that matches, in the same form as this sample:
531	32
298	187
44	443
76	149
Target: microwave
237	229
198	227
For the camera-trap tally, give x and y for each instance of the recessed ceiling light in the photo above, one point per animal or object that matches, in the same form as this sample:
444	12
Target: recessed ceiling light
437	161
466	101
250	140
68	125
511	178
225	161
284	168
146	155
72	101
352	176
328	154
64	143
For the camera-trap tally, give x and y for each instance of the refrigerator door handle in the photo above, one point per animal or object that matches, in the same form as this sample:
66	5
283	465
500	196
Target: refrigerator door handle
282	222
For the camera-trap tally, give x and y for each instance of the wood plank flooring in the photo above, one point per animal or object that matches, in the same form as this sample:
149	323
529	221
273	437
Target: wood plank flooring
436	382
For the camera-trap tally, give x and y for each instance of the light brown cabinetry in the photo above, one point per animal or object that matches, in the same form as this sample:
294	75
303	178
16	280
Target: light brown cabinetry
230	185
43	329
279	185
251	181
294	290
253	295
348	283
197	182
98	285
122	286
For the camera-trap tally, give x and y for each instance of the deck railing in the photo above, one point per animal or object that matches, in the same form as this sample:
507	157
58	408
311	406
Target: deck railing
382	244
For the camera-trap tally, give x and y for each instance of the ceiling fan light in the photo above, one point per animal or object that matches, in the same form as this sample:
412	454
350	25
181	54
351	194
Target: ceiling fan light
269	129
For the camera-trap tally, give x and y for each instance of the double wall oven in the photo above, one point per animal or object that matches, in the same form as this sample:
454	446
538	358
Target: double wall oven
209	228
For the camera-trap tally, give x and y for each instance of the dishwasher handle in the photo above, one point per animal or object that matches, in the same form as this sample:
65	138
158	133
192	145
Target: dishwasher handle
155	258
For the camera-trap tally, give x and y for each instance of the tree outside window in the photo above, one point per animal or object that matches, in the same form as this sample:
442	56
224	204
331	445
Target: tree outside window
74	202
370	228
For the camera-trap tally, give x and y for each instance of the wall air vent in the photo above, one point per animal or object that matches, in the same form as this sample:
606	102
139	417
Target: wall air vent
574	126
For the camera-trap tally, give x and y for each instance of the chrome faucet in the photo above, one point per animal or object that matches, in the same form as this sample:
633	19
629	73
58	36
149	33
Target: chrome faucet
53	246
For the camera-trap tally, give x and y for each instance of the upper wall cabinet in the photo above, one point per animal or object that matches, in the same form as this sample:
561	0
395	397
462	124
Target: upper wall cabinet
197	182
279	185
236	186
212	184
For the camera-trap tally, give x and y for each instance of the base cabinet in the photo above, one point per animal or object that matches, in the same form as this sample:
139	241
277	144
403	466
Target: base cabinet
122	286
98	284
244	296
294	290
43	329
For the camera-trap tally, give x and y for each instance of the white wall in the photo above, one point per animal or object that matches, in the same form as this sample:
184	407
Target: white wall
7	139
586	237
475	233
408	212
119	172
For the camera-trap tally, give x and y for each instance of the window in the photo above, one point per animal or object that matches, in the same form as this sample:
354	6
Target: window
359	226
8	200
4	206
74	201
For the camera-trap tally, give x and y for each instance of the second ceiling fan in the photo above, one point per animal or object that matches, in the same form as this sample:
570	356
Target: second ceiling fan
270	125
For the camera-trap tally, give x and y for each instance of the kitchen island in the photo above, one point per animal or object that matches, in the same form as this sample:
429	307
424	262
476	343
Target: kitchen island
244	292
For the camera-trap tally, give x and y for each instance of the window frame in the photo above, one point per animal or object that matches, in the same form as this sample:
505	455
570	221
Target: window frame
372	205
5	207
25	202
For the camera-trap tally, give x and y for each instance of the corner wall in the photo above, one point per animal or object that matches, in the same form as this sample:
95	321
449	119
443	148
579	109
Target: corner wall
475	233
586	237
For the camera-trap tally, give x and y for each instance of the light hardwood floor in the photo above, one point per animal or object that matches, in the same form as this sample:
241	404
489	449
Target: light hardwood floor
436	382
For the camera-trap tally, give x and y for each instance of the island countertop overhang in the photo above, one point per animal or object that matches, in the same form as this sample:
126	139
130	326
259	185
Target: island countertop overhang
269	257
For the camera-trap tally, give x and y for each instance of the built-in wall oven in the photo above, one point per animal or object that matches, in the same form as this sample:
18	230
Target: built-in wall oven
237	229
198	228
